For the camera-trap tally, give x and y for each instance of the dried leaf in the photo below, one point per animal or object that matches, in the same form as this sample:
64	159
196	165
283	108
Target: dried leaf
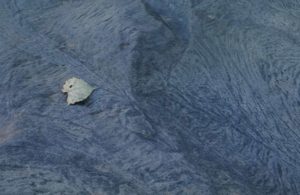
78	90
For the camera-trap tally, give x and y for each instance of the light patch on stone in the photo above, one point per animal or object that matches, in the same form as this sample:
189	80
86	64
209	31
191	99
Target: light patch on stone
78	90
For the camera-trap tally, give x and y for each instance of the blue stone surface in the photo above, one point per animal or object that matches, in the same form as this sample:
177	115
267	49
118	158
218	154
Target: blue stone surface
194	97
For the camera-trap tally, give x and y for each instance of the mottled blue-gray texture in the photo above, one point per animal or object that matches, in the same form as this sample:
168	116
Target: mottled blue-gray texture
194	97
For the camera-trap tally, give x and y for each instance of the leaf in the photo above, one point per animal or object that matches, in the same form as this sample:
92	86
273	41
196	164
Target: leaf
78	90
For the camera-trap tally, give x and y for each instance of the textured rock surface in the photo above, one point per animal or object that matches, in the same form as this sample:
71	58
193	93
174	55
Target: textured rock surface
194	97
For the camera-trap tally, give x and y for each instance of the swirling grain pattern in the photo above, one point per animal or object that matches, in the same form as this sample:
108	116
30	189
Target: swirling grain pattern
194	97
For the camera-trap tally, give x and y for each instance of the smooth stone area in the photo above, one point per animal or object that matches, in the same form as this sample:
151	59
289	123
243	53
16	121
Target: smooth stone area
194	97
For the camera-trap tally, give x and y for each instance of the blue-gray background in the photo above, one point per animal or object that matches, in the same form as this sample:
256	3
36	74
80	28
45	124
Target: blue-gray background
194	97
